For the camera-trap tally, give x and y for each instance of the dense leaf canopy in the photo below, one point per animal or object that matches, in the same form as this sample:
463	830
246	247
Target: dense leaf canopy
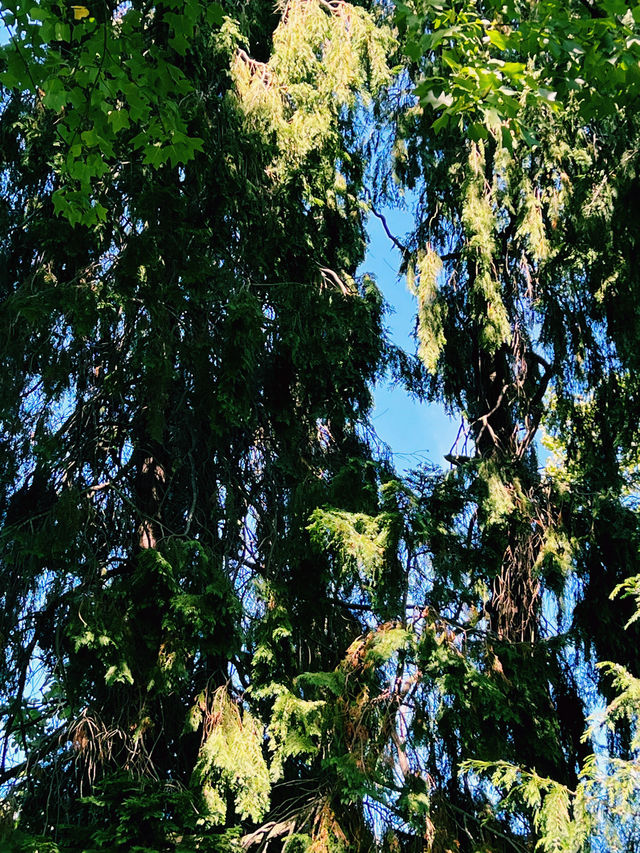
228	623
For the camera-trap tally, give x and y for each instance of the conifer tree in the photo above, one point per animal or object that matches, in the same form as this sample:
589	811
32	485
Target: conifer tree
228	623
521	150
186	366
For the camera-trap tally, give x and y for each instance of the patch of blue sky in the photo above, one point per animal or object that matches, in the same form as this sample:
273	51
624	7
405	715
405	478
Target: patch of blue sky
416	432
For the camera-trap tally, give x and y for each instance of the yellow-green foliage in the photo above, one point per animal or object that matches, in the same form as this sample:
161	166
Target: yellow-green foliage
387	642
230	758
531	227
496	328
325	55
498	503
296	728
601	813
478	218
560	817
431	309
630	588
556	551
555	468
478	214
626	704
360	540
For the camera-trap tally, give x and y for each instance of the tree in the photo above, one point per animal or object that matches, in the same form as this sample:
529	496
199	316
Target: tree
522	153
229	624
186	358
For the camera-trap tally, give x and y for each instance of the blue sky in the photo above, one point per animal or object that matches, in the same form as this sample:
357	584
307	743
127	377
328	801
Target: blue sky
416	432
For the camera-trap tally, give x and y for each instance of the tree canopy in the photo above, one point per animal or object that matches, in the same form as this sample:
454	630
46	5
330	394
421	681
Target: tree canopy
229	623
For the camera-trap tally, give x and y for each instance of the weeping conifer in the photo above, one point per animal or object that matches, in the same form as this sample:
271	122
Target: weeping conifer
183	383
228	623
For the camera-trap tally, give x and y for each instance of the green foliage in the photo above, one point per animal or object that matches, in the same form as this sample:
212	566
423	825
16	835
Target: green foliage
423	282
228	623
499	63
101	85
602	808
361	541
230	759
295	728
324	56
186	364
630	588
96	81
